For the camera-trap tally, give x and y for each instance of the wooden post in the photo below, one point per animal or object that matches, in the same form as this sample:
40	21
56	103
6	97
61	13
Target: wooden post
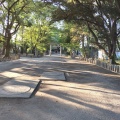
60	51
50	50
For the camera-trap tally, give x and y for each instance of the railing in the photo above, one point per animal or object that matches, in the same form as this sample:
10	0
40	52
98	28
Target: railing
108	66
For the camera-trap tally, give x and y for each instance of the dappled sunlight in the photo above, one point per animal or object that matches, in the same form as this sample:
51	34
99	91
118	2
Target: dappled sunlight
10	74
64	70
103	74
92	104
87	93
84	97
14	89
18	75
76	87
78	101
28	70
17	70
85	72
43	59
60	100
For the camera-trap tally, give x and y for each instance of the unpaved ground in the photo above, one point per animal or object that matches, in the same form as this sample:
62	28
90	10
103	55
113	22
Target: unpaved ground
90	92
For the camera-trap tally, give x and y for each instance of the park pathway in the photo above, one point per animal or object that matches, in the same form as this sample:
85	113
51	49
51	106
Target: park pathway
90	92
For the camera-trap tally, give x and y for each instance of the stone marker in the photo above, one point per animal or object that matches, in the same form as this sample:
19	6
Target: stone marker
53	75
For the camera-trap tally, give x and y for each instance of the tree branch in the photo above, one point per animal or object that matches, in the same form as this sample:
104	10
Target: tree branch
96	40
15	29
2	2
13	4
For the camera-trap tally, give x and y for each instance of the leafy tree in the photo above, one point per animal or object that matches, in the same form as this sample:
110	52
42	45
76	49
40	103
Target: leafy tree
12	19
101	17
36	37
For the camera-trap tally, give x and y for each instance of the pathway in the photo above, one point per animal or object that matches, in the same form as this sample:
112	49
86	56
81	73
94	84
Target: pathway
90	92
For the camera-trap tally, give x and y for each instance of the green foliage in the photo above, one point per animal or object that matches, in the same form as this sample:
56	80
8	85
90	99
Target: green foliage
101	18
71	46
37	35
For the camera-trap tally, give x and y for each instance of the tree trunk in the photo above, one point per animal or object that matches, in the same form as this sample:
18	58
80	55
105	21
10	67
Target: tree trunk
112	52
7	52
83	46
3	50
112	58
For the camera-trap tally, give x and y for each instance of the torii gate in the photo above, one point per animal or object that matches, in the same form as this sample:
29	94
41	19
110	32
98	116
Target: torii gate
50	52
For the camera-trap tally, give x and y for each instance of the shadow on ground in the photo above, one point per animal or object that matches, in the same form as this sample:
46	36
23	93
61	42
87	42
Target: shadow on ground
91	93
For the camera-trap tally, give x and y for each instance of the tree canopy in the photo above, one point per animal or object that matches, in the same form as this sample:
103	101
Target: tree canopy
102	19
95	19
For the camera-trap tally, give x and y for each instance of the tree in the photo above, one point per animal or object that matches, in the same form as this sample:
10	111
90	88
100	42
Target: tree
12	19
36	37
101	17
117	2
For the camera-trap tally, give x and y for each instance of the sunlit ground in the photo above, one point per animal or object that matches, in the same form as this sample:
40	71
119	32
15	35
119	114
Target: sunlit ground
90	92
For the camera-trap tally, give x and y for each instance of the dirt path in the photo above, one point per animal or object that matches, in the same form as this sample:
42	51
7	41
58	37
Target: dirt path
90	92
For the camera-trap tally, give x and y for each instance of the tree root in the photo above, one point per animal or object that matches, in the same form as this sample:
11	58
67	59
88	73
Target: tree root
6	58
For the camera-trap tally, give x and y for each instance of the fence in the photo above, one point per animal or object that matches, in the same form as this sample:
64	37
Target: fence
108	66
